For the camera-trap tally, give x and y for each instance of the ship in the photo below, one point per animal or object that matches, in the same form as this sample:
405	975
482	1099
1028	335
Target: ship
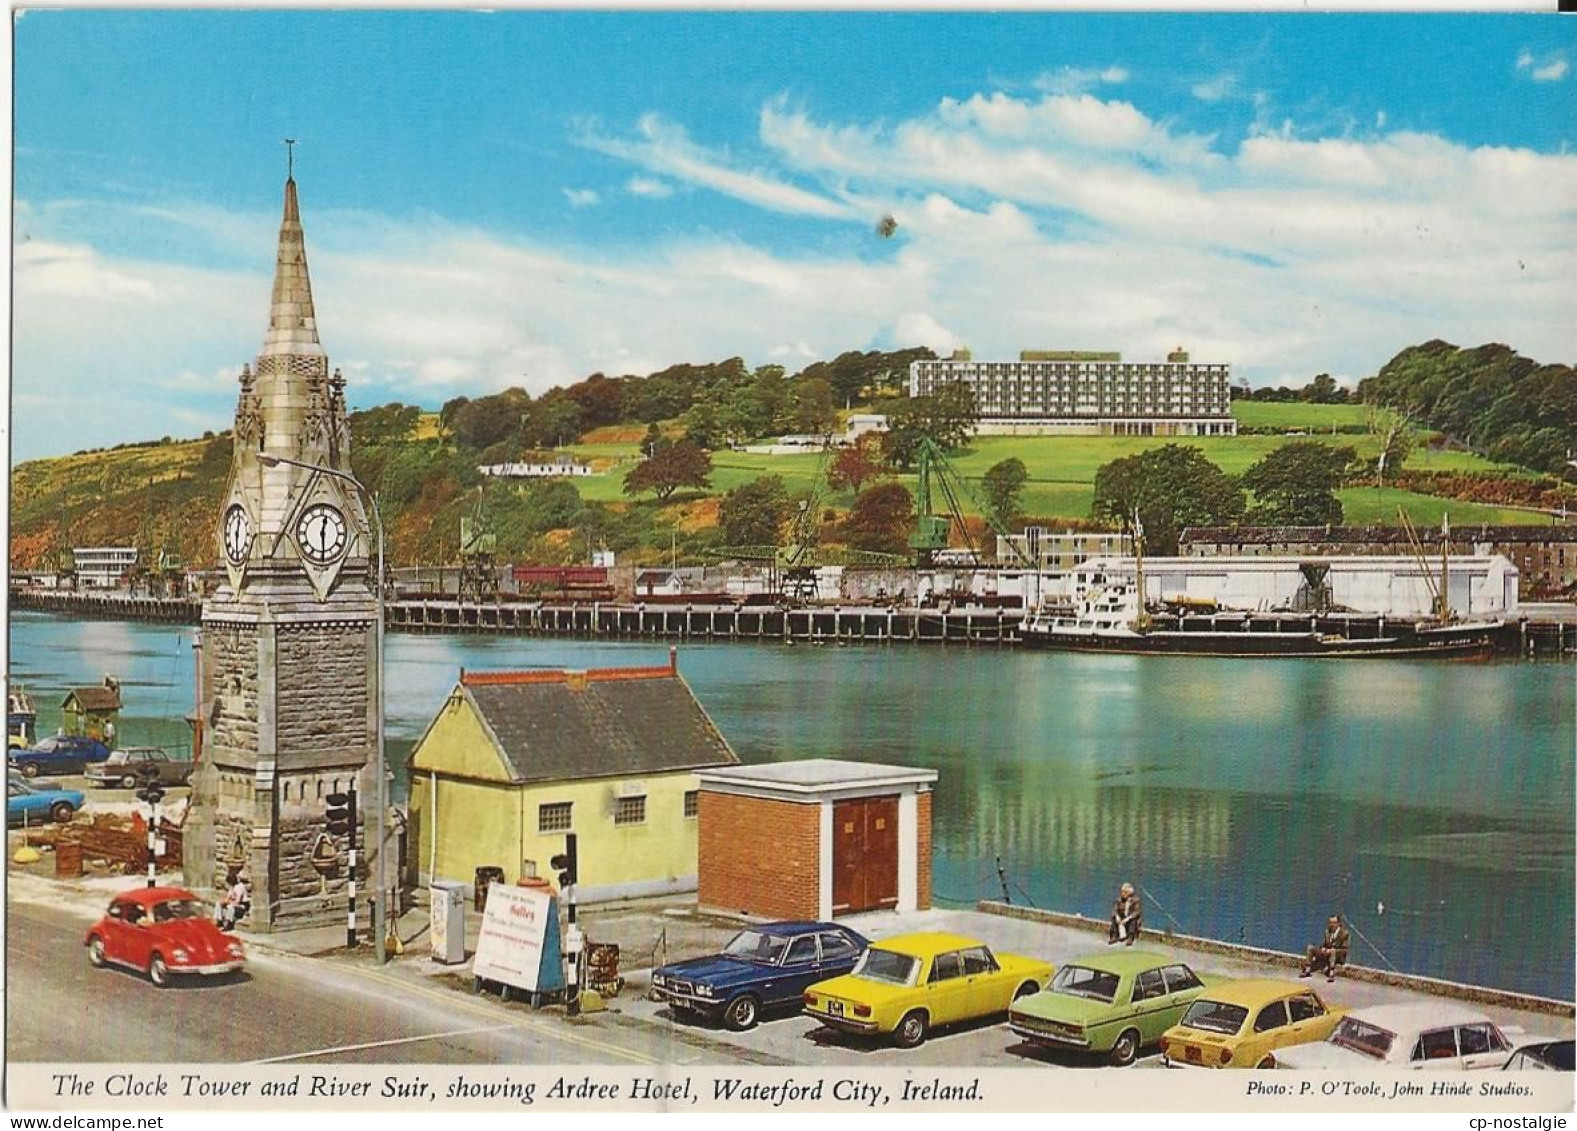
1108	618
1112	613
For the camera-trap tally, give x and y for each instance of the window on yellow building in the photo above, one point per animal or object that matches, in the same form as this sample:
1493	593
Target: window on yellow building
692	803
629	811
555	817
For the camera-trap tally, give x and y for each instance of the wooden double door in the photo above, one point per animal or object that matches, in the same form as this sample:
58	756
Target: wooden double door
864	854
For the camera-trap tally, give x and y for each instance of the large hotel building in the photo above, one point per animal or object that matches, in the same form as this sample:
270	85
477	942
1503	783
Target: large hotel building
1074	393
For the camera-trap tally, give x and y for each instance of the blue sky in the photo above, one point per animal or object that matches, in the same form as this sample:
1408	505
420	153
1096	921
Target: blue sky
530	197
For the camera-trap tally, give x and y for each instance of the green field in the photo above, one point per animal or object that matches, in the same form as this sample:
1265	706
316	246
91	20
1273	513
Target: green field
1062	468
1367	506
1296	414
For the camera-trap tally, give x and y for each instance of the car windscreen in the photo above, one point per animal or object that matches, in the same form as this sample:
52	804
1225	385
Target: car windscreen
178	909
887	966
118	757
1081	981
754	946
1215	1016
1362	1037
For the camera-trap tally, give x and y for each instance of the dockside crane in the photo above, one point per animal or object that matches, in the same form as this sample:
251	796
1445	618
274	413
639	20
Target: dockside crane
478	543
932	529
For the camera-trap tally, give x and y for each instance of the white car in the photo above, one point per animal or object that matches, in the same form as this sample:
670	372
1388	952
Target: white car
1421	1035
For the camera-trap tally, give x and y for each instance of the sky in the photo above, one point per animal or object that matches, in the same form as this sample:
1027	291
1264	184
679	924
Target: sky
525	198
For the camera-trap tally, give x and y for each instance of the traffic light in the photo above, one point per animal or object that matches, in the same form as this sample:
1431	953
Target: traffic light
150	791
564	863
341	814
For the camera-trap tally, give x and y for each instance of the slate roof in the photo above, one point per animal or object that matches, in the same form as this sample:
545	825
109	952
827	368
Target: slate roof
99	698
611	722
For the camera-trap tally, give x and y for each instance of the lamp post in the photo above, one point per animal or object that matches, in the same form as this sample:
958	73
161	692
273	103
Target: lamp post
379	911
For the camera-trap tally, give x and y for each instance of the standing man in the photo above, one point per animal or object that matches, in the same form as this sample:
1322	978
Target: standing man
1127	917
1331	953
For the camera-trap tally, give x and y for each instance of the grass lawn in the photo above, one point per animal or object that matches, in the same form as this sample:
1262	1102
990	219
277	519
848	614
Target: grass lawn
1295	414
1368	506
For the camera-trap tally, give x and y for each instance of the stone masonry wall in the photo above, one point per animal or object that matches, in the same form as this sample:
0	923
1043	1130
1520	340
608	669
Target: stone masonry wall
759	856
230	684
323	692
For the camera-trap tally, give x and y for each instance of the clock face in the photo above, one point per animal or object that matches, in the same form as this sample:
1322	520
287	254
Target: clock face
321	533
237	534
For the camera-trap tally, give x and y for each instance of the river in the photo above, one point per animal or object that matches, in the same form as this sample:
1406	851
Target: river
1431	804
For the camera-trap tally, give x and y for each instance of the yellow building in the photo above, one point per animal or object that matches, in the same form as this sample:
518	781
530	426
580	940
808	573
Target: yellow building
514	760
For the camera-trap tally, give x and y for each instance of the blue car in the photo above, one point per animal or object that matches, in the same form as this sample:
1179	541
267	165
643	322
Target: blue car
59	754
761	968
33	803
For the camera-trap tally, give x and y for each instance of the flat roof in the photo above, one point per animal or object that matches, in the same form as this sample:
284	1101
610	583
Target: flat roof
811	775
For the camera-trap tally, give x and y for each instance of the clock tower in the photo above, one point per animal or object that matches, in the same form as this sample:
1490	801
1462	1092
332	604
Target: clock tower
288	669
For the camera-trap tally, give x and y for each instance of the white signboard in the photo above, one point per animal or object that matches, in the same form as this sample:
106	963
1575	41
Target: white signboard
519	931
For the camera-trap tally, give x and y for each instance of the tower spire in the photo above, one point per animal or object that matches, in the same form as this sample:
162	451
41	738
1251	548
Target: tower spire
292	323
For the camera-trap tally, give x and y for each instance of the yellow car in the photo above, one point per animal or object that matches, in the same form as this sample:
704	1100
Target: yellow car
1239	1024
908	985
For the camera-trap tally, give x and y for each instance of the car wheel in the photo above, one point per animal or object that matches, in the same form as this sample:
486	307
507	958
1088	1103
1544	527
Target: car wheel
742	1013
911	1030
1126	1048
1025	990
158	972
29	769
61	812
1268	1062
96	951
128	782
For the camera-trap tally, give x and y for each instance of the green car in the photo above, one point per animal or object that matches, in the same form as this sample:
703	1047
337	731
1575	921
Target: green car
1111	1003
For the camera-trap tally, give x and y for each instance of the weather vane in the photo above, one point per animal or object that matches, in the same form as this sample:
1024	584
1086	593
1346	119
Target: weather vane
290	157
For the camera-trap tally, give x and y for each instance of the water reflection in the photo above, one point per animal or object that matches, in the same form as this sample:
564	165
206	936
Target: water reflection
1247	798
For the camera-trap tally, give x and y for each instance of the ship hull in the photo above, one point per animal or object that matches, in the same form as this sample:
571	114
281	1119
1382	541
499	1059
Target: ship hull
1453	646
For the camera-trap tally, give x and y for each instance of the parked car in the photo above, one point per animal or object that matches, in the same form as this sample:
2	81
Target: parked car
910	984
1418	1035
1542	1056
761	968
34	802
134	765
59	754
1240	1024
163	932
1114	1003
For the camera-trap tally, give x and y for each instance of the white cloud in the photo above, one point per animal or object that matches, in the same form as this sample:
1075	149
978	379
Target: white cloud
1551	68
582	198
1216	89
1077	80
648	187
665	148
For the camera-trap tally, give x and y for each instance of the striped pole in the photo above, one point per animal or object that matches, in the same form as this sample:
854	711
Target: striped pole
153	834
350	913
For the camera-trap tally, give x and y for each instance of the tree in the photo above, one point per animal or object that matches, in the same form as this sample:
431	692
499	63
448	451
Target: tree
857	464
1295	485
1003	485
1169	488
814	412
948	416
754	514
881	520
670	467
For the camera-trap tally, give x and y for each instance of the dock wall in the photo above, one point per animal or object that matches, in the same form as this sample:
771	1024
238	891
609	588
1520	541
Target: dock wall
1481	995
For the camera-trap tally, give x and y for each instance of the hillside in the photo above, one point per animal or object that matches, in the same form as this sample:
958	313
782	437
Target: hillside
164	495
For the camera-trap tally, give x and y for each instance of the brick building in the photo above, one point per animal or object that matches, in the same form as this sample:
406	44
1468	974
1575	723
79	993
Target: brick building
815	839
1545	556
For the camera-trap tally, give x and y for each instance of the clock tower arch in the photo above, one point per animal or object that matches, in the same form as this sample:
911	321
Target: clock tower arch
288	694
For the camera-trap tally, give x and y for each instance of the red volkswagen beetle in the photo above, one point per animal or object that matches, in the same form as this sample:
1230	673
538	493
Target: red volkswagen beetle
163	931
